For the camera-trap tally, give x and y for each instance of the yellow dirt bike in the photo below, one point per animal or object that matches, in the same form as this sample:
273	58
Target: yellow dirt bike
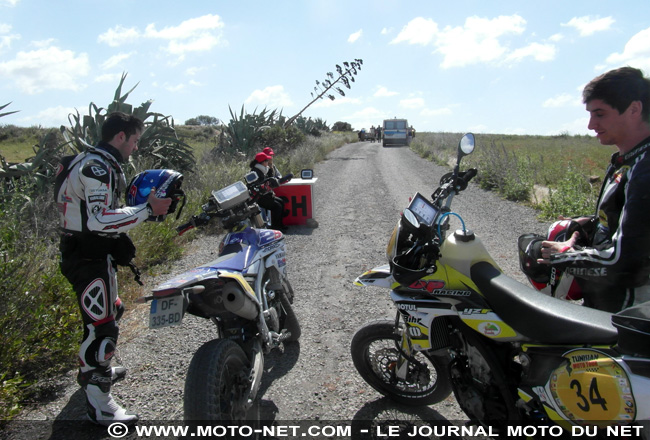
510	354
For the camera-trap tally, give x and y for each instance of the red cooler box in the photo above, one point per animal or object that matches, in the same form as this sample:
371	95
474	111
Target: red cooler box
298	195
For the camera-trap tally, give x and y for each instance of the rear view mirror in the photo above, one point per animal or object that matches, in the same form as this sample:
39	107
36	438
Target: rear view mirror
466	145
307	174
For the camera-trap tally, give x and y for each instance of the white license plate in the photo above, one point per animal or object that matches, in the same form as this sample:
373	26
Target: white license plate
166	311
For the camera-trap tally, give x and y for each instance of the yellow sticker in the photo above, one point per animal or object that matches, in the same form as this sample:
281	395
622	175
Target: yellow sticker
592	387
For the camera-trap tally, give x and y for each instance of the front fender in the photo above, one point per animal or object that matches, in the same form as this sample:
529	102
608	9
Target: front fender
378	277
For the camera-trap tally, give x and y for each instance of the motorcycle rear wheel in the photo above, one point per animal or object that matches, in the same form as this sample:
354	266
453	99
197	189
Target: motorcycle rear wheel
217	385
375	350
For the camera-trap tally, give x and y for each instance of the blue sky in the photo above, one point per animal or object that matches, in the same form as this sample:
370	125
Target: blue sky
512	67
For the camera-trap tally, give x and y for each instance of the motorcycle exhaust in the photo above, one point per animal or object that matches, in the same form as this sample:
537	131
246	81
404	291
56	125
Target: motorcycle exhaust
236	301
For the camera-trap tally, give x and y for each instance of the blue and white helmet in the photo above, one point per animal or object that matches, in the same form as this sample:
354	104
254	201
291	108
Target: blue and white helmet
167	183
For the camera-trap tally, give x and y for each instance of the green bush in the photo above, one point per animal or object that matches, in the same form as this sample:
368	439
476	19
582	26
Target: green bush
571	196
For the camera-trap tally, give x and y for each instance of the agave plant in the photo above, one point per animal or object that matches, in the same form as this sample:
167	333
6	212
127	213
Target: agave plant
243	132
311	126
323	88
159	146
2	107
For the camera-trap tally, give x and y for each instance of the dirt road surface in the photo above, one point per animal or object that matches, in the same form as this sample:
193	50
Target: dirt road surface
360	192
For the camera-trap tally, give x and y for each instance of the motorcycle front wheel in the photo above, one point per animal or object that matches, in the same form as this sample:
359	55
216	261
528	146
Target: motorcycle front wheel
289	320
217	385
375	352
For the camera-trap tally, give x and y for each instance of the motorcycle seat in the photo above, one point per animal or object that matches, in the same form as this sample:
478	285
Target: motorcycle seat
541	317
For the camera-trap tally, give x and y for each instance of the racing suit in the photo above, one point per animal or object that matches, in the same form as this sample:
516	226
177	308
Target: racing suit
93	241
613	270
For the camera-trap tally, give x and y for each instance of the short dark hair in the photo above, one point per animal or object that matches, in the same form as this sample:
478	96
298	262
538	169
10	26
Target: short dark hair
118	121
619	88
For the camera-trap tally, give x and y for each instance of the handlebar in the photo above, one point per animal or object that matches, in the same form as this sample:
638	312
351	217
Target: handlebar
286	178
451	184
469	175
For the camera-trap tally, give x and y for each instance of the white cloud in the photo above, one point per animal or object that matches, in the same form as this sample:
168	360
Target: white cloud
478	40
355	36
540	52
384	92
412	103
636	52
119	35
116	60
589	25
109	78
50	117
193	70
194	35
386	31
5	40
47	68
9	2
420	31
272	96
562	100
174	88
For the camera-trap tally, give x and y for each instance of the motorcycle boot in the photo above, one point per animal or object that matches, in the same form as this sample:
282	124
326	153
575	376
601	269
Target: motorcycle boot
101	406
117	373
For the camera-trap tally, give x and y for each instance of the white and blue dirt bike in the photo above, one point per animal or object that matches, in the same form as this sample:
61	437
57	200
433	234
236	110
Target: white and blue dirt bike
245	292
509	353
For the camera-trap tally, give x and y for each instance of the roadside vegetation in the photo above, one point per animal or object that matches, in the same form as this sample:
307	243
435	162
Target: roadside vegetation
38	312
558	175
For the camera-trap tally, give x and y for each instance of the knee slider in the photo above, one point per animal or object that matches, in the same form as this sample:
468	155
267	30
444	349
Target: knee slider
105	351
103	347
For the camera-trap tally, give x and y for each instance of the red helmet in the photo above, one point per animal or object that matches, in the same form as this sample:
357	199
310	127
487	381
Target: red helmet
544	277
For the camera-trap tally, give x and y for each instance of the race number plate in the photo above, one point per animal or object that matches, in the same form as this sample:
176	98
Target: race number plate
592	387
165	312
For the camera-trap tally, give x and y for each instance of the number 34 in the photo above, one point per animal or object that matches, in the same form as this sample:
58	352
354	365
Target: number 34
594	395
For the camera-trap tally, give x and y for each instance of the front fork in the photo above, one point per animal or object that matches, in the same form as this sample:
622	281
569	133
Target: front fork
405	350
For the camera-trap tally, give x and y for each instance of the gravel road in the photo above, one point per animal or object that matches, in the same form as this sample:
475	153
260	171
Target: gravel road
361	190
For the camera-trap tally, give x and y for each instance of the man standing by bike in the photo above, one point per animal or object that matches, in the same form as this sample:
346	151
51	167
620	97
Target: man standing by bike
93	241
613	266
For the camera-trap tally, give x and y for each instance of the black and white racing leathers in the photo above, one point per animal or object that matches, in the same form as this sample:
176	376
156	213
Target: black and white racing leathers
92	224
614	270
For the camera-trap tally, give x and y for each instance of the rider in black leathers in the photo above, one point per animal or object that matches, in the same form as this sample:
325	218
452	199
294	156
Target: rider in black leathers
614	267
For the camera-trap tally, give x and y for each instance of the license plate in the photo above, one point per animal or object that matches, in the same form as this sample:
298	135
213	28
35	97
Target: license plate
165	312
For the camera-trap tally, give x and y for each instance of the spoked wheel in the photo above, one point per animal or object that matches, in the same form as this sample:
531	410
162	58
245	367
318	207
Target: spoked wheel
217	385
375	353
